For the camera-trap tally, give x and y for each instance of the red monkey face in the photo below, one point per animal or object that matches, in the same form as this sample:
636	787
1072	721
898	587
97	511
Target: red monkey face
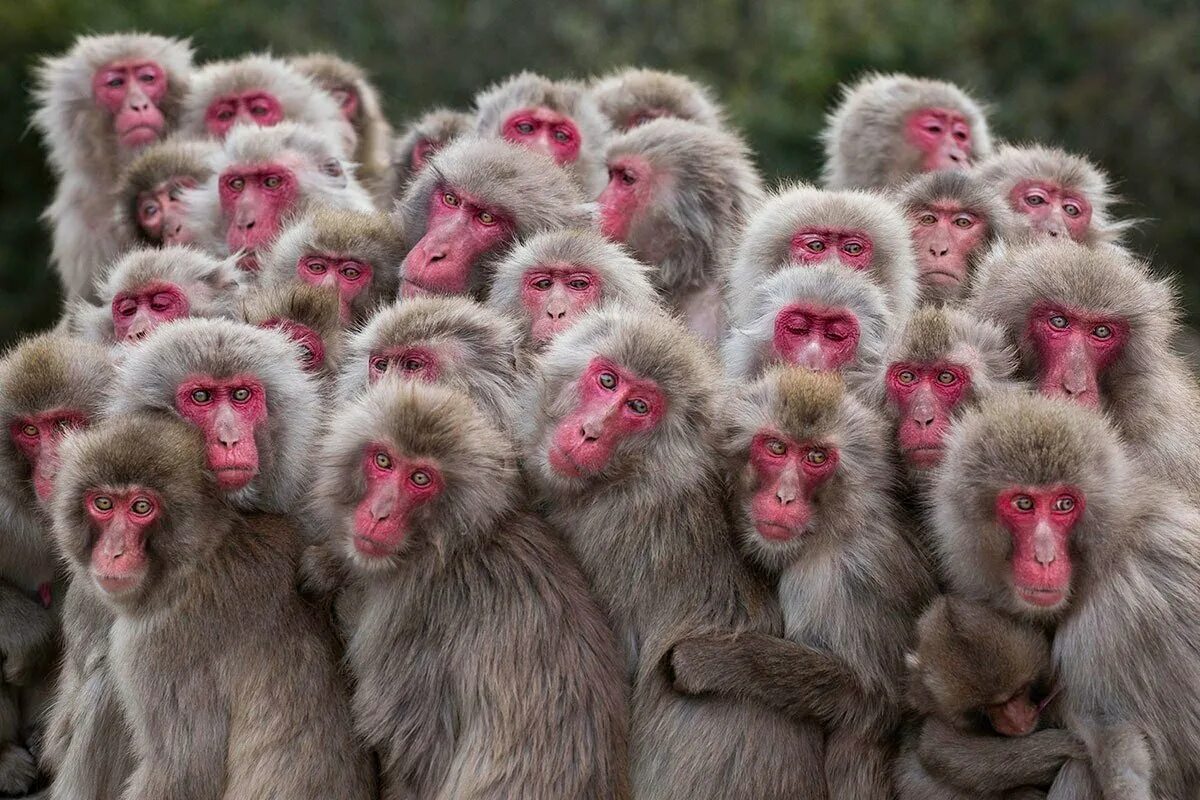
1073	350
414	362
160	212
122	520
627	196
255	200
460	231
614	405
946	237
253	107
230	412
815	337
131	91
137	312
787	474
926	395
815	245
349	276
37	438
546	131
1053	210
942	136
1016	716
395	487
312	348
1040	519
555	296
347	100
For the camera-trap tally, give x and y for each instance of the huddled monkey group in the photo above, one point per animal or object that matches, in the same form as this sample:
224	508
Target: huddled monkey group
541	450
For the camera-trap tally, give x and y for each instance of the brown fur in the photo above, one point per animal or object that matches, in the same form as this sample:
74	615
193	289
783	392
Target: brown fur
314	307
172	159
625	93
438	127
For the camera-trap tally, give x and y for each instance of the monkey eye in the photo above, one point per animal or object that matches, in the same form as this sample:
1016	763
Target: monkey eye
927	219
413	365
607	380
561	135
542	284
933	127
141	507
639	406
30	430
906	376
240	394
964	222
383	460
147	77
835	334
816	456
1059	321
1071	209
380	364
817	246
272	181
1035	199
450	199
1064	504
160	301
525	128
579	283
225	115
113	83
776	447
102	503
628	178
351	273
947	378
149	209
853	248
487	218
1023	502
1102	332
420	478
258	110
316	267
201	396
236	184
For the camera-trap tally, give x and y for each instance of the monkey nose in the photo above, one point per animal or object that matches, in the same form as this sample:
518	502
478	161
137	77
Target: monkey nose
938	252
785	496
437	255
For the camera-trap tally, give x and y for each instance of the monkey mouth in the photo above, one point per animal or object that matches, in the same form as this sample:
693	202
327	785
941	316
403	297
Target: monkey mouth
943	276
925	455
1043	596
234	477
117	584
372	548
774	531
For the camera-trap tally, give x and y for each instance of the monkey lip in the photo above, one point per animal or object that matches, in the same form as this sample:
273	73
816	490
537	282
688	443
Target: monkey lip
234	477
118	584
926	455
372	547
942	277
774	531
1045	597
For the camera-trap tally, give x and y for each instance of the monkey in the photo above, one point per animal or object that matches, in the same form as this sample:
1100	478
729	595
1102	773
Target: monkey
150	191
1053	194
245	388
420	139
98	105
476	198
1093	325
556	118
677	195
482	664
631	96
221	703
548	281
803	226
263	179
811	506
619	441
955	219
887	128
356	253
308	315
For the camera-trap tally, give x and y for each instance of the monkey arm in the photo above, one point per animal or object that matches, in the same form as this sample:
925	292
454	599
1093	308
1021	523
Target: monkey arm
28	636
987	763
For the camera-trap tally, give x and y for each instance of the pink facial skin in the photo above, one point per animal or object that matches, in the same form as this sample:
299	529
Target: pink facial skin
945	236
546	131
138	312
395	487
943	137
555	296
122	520
347	100
312	348
1017	716
254	200
251	107
926	396
230	412
629	192
614	405
815	337
413	363
1053	210
787	474
1040	520
160	212
814	245
38	437
1074	348
460	230
131	91
349	276
644	115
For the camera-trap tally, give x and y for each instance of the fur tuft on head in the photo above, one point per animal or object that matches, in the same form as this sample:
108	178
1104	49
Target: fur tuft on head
437	128
626	94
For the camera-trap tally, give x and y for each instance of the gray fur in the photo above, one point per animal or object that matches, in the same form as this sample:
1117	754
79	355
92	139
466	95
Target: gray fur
625	93
437	127
314	307
175	158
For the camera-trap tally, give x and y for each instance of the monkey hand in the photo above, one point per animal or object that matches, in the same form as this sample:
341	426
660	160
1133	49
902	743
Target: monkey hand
27	658
17	770
701	664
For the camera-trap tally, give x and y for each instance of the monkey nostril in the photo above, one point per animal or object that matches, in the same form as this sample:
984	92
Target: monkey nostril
437	256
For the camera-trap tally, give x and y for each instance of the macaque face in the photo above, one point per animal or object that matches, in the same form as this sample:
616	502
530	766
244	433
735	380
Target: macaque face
351	277
946	236
555	296
852	248
411	362
643	115
1040	520
347	100
1053	210
942	136
131	90
255	199
160	212
395	486
546	131
312	348
926	396
787	474
122	520
818	338
251	107
138	311
627	197
37	437
230	412
1073	350
1016	715
614	405
461	229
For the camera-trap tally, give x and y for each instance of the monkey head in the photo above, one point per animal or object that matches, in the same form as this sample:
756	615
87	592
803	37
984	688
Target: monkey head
632	97
308	315
152	187
424	137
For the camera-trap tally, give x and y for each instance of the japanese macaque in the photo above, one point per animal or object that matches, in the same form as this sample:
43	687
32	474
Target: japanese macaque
823	318
886	128
632	97
954	218
482	665
98	106
452	341
980	682
812	506
150	191
262	180
1095	327
423	137
475	199
677	195
1054	194
550	280
308	315
355	253
619	440
557	118
221	702
245	388
802	226
1041	512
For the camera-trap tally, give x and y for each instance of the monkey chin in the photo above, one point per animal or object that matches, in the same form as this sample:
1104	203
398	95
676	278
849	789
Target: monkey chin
924	457
139	136
119	585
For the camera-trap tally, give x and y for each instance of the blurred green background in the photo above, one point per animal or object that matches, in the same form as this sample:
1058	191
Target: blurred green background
1117	80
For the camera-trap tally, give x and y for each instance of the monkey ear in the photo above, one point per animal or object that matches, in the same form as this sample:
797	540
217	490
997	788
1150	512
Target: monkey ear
332	168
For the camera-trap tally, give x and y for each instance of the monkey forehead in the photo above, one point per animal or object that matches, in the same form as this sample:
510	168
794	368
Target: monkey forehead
301	99
960	189
314	307
182	265
437	126
330	70
526	90
1012	165
800	403
709	165
165	161
621	276
889	99
775	223
625	92
289	142
825	285
366	236
52	371
74	70
476	328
